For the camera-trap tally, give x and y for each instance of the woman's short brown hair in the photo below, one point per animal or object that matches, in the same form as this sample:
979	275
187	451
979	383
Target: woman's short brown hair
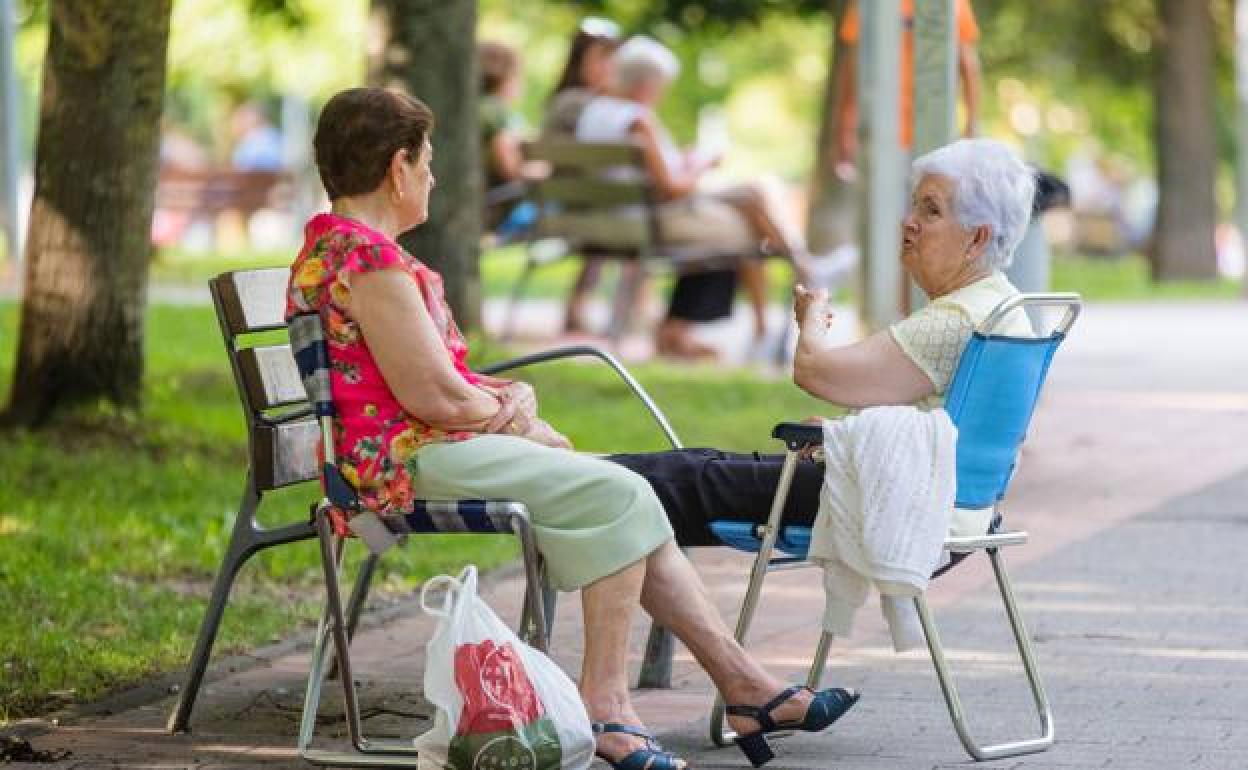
358	133
498	62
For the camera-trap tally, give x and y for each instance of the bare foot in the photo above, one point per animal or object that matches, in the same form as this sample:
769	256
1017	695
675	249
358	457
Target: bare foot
684	348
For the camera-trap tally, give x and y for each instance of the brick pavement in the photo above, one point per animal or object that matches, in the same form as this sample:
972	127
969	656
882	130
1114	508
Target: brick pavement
1135	490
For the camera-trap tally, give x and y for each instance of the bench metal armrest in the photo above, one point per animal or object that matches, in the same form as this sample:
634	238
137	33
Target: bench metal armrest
574	351
798	435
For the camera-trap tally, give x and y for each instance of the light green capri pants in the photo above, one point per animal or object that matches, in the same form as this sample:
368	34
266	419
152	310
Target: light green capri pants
591	517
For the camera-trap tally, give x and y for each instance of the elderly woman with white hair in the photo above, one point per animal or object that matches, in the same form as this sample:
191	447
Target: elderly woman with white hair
970	205
743	220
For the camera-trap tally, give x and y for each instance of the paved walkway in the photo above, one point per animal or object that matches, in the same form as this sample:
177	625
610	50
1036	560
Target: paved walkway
1134	488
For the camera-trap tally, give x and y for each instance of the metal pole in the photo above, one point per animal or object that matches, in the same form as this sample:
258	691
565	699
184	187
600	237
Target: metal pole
1241	120
878	130
935	84
10	127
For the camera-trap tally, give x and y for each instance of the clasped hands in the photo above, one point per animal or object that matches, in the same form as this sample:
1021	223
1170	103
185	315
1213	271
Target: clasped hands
517	416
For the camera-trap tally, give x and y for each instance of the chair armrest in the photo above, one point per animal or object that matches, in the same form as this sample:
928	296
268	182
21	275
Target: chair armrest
798	435
574	351
995	540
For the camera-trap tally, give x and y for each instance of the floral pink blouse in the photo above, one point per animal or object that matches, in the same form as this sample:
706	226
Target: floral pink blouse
374	439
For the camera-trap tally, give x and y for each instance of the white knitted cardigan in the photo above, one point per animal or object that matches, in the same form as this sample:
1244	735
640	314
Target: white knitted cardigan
884	512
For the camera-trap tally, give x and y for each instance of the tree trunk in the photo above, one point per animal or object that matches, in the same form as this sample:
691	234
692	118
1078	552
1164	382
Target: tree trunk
87	253
428	48
831	218
1183	245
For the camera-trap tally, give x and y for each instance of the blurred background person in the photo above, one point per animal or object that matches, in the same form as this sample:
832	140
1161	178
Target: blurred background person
257	142
967	31
743	220
507	214
586	73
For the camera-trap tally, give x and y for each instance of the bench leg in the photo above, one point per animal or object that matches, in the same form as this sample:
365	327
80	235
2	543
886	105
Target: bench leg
242	546
656	667
246	539
632	281
948	687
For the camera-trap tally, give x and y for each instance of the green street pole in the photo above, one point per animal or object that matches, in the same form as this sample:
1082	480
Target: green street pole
935	87
879	138
1241	123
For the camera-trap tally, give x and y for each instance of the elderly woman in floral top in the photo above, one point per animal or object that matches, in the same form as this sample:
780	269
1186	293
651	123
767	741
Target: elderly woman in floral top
415	421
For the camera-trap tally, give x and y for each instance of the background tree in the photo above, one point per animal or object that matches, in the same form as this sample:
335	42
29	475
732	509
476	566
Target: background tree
87	252
830	216
1183	245
428	48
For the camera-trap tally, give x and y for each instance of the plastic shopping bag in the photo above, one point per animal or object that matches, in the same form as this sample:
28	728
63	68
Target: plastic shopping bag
500	703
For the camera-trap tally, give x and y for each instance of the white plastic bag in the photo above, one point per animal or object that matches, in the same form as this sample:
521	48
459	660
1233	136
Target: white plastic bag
500	703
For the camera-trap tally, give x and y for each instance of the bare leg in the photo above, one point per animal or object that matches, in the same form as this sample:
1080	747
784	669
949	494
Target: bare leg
754	279
759	204
674	596
674	337
608	605
586	280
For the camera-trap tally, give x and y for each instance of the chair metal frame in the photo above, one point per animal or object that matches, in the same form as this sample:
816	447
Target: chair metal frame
798	437
382	532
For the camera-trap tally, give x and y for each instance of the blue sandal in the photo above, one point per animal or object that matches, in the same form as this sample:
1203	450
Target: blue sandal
827	707
652	757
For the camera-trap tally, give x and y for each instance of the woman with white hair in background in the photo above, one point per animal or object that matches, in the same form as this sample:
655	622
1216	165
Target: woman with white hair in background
744	220
970	204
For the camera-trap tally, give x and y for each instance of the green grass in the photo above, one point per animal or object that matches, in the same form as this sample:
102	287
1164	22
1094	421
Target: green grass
1126	279
112	526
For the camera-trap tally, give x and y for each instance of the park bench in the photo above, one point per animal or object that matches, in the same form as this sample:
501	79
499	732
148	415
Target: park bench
599	200
185	196
283	434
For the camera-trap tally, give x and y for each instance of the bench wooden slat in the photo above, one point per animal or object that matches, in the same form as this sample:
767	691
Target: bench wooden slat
573	191
583	155
253	300
598	228
286	453
270	376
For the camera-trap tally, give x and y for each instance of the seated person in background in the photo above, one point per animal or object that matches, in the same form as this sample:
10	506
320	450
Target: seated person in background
415	422
258	143
586	73
742	220
501	161
969	207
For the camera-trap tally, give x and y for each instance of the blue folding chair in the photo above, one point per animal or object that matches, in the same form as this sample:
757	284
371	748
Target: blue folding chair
340	510
990	400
